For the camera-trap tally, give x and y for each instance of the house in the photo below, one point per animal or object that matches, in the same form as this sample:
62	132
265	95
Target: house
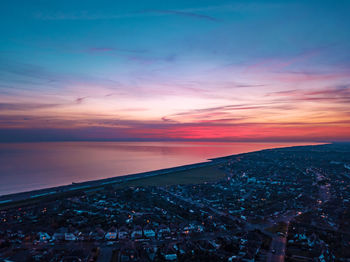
171	253
187	229
137	232
149	232
69	237
43	236
170	257
200	228
163	231
123	233
111	236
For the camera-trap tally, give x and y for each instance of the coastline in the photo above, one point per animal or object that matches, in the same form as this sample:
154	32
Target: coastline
29	197
71	189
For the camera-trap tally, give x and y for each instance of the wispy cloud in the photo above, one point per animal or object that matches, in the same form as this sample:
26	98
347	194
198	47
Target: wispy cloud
336	94
114	50
277	64
228	113
26	106
190	12
14	72
302	77
182	13
80	100
145	60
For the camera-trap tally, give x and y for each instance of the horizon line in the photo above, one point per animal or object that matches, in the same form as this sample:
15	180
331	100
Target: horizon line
173	140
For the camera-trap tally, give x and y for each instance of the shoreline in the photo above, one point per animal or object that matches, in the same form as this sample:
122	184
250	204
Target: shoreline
71	189
54	192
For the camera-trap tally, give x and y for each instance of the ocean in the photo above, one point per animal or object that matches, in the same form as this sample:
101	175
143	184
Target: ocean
29	166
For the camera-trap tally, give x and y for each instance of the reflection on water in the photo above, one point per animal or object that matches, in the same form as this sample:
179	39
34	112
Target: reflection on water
31	166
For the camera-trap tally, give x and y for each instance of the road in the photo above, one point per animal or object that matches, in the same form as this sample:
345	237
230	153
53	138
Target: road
279	245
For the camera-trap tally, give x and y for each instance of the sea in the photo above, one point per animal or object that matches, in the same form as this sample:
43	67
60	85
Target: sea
30	166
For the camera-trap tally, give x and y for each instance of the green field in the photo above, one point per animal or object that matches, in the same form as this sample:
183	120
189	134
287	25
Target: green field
192	176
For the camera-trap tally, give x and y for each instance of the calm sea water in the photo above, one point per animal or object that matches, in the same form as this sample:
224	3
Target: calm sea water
31	166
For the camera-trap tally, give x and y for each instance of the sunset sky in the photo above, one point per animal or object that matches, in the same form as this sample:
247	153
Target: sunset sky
175	70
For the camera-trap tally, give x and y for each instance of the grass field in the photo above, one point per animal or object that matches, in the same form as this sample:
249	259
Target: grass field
192	176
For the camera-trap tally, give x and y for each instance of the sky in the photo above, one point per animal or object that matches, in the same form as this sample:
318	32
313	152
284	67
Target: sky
175	70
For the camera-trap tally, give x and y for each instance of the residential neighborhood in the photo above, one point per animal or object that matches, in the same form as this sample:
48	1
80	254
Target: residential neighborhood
289	204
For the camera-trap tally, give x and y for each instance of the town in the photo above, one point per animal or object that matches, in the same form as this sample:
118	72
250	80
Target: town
288	204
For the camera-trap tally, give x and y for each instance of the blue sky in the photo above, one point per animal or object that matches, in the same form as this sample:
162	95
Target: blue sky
123	66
